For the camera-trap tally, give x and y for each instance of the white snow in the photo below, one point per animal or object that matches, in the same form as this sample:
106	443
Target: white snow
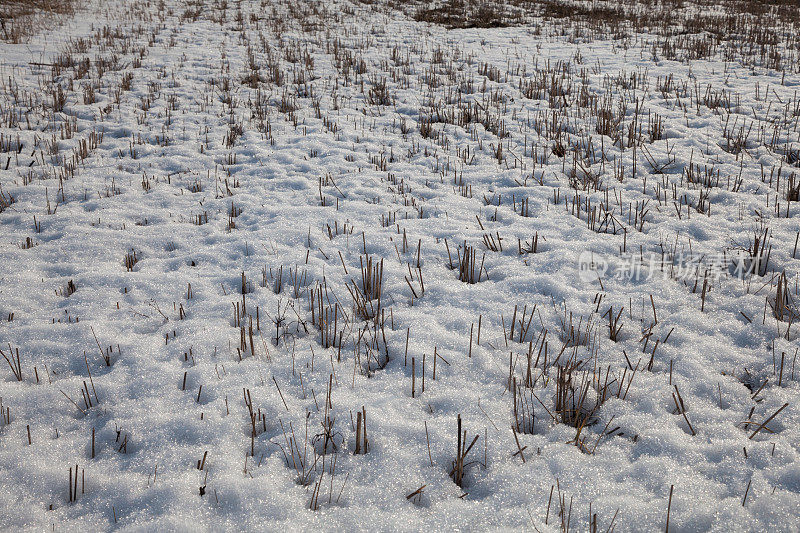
150	431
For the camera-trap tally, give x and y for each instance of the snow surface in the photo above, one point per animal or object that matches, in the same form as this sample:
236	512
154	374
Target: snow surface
717	357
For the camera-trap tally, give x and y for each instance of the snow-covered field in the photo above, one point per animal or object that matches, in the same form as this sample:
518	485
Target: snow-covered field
233	235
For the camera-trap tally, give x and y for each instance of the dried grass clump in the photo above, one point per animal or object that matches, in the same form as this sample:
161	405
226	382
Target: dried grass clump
460	14
19	19
6	200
